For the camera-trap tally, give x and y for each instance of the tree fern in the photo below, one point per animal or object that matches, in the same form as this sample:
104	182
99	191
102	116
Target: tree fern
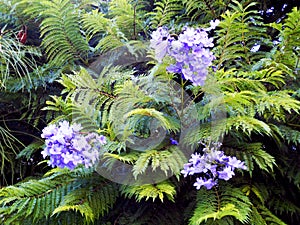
128	15
254	153
119	27
204	11
221	203
169	161
57	191
60	30
289	31
164	12
89	98
161	191
239	31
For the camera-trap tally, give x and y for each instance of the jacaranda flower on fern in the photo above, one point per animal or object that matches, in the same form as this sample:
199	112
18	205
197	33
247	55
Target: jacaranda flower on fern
212	165
68	147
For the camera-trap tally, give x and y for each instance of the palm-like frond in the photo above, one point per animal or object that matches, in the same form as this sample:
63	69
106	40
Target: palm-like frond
57	191
221	204
165	11
239	31
61	35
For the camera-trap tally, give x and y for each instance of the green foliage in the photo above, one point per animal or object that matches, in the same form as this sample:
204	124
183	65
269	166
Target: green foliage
148	191
169	161
262	216
252	153
58	191
119	27
16	60
9	147
60	30
288	53
221	203
205	10
87	95
28	151
240	29
248	103
164	12
7	12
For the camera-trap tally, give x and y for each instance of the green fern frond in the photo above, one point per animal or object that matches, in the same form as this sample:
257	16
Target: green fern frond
252	153
239	31
247	125
169	161
94	22
261	215
221	203
34	199
289	134
167	122
91	202
281	206
83	208
110	158
276	104
89	98
289	31
30	149
161	190
115	29
56	192
164	11
259	191
138	97
204	11
127	15
60	30
236	80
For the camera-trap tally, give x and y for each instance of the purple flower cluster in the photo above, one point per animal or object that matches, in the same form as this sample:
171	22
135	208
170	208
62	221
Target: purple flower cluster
212	165
190	51
68	147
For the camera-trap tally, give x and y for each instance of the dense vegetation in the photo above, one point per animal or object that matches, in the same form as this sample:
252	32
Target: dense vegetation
94	63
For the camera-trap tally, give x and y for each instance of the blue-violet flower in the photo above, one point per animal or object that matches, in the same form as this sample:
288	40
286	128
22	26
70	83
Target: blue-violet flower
68	147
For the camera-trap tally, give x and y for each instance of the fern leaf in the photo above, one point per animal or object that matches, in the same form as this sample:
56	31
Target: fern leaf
169	161
265	216
204	11
164	11
220	204
247	125
60	30
239	31
154	191
59	191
